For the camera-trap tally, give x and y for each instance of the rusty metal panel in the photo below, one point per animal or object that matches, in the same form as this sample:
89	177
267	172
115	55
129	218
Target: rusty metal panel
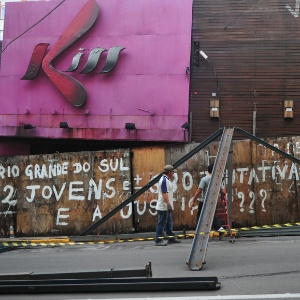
147	163
187	181
241	162
112	170
9	182
264	187
243	212
276	185
66	192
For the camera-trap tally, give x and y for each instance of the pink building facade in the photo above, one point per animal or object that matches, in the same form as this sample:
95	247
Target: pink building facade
96	65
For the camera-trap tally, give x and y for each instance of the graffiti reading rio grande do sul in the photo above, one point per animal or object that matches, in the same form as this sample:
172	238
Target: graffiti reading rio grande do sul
97	189
105	189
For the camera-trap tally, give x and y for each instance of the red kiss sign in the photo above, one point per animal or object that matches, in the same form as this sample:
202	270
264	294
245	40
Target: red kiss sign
73	91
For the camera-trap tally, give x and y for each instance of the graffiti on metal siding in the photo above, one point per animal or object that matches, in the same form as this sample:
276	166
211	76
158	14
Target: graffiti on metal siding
75	187
107	182
265	173
252	196
75	190
294	12
242	177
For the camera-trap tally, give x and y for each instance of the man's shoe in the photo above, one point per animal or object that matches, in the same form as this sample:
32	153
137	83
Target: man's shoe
175	241
221	231
161	243
221	234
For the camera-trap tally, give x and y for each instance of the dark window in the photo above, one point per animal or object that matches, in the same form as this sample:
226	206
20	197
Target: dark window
2	12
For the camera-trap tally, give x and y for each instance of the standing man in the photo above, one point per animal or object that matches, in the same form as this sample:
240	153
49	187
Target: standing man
164	208
202	190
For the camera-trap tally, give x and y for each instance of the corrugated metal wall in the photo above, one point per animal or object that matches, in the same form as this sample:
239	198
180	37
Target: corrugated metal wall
253	48
66	193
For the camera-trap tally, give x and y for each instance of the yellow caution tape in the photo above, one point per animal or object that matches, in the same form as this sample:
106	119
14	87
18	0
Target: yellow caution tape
62	242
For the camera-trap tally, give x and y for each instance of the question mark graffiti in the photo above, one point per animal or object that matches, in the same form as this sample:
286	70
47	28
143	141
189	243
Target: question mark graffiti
252	196
241	196
263	193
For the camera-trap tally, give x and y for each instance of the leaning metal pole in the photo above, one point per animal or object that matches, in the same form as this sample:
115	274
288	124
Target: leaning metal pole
229	185
200	242
152	182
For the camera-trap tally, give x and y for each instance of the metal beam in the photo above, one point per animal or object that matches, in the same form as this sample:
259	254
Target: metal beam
113	273
271	231
108	285
229	185
5	248
254	138
200	242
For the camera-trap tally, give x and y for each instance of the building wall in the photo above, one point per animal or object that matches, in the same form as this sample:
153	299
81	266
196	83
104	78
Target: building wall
2	13
147	86
253	66
66	193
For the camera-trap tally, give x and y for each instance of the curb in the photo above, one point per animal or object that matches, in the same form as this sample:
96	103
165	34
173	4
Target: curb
80	240
285	229
12	241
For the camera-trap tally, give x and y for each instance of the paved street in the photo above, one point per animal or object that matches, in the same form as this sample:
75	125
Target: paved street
250	266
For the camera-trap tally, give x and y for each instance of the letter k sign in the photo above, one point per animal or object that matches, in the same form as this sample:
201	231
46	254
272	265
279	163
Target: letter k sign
73	91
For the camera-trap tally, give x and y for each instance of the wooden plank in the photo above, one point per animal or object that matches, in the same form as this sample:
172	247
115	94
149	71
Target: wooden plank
147	163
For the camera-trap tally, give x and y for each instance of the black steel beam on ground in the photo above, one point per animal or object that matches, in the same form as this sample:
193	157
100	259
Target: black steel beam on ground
146	272
5	248
254	138
290	230
152	182
108	285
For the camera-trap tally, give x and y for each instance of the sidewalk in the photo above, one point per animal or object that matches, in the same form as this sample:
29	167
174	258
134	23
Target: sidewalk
89	238
275	230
